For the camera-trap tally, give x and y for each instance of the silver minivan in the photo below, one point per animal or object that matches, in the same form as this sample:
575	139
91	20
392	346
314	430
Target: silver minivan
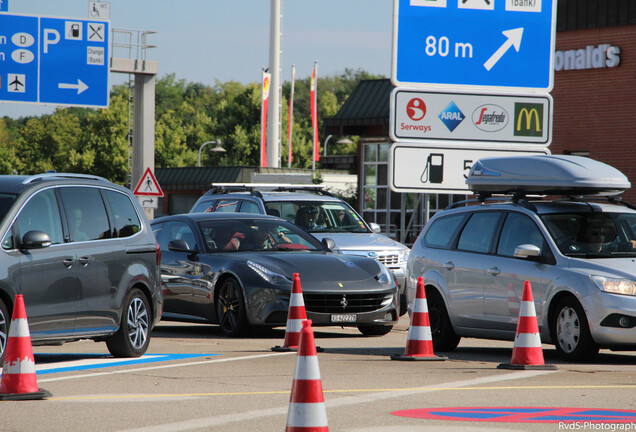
578	253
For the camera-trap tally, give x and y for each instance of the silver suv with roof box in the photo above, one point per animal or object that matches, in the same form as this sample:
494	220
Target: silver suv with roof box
578	254
318	212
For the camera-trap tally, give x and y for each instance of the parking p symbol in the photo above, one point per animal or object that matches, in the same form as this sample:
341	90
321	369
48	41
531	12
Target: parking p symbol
51	37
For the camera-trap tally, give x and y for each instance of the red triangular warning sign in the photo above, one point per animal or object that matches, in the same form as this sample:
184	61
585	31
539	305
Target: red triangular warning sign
148	185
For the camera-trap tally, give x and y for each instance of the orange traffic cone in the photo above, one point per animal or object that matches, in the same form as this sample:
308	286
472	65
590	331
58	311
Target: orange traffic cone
307	403
419	344
295	317
18	372
527	352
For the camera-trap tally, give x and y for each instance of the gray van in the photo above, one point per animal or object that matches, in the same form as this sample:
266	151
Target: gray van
578	253
80	251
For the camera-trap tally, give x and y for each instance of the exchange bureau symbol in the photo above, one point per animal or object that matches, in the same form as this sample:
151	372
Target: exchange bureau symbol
344	302
528	119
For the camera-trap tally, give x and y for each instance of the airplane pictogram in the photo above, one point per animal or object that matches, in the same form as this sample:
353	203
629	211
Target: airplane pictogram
18	86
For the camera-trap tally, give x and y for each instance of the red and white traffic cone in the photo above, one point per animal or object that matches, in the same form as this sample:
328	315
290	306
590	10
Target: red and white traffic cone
307	410
18	371
295	317
419	344
527	352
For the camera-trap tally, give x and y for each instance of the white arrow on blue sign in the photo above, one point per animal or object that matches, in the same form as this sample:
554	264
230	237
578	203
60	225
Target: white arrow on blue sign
61	61
483	44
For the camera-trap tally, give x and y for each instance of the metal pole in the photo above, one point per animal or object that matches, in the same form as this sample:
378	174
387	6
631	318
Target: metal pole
326	141
273	115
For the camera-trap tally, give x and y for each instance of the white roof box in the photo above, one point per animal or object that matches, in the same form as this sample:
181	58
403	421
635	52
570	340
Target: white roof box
546	175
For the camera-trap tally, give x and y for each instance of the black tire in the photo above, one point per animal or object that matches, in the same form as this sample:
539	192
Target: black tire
403	304
5	321
374	330
571	333
230	308
133	337
442	333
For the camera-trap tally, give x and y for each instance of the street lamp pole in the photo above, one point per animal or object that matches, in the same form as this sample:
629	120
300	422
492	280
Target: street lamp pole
218	148
326	141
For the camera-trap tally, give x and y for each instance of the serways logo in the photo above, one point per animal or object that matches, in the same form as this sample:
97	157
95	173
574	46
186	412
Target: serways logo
528	120
490	118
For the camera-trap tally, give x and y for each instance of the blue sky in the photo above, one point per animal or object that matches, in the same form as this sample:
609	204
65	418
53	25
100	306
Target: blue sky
209	40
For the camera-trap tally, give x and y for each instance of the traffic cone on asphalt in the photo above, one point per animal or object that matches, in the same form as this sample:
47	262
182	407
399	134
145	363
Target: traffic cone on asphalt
295	317
419	344
527	352
307	403
18	371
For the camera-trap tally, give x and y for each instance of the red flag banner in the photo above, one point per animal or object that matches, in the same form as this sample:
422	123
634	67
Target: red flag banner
314	112
290	124
267	77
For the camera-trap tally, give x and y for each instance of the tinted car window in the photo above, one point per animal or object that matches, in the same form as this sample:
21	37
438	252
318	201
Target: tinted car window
40	213
85	213
206	206
249	207
478	232
225	206
517	230
169	231
323	216
443	230
126	221
6	201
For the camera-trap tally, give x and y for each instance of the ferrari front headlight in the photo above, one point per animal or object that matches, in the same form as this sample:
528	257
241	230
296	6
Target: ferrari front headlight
269	275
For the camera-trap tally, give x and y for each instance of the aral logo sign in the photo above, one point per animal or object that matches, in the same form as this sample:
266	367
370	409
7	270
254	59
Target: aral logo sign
528	119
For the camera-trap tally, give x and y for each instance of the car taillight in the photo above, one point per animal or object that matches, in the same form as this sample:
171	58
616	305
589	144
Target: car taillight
158	253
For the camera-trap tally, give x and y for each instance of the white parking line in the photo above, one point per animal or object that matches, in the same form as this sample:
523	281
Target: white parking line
339	402
141	369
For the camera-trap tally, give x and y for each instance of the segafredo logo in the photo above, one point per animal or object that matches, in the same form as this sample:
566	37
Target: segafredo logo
452	116
490	118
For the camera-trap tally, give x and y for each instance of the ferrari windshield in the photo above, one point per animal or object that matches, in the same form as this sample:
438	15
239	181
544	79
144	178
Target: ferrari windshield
593	234
237	235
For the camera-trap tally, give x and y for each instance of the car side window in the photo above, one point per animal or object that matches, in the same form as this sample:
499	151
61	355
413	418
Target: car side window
126	220
517	230
166	232
40	213
85	213
227	205
205	206
249	207
443	230
478	232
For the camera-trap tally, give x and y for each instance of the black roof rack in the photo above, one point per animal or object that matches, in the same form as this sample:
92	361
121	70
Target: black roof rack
255	188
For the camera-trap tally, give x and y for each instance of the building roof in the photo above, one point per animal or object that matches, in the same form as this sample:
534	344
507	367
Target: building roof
365	112
200	178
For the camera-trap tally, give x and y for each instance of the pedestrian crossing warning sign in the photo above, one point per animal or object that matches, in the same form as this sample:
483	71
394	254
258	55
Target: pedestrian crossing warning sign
148	185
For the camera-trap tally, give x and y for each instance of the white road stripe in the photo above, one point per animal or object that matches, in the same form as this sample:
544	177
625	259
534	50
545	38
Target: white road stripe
209	422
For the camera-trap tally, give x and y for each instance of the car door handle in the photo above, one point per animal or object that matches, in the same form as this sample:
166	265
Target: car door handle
494	271
449	265
83	261
68	262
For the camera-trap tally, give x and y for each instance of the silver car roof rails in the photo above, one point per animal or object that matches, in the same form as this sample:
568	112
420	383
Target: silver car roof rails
255	188
50	176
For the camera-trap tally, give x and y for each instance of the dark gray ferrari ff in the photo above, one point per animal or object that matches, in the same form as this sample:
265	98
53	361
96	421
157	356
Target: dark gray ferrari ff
236	270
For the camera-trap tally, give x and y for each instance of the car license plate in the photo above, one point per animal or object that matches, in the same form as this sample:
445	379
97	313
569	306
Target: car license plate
339	318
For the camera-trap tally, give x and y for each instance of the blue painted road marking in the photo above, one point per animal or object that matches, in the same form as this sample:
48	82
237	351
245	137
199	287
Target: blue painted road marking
48	363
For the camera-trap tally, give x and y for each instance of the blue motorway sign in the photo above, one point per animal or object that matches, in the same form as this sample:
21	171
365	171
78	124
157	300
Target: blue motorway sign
61	61
493	44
